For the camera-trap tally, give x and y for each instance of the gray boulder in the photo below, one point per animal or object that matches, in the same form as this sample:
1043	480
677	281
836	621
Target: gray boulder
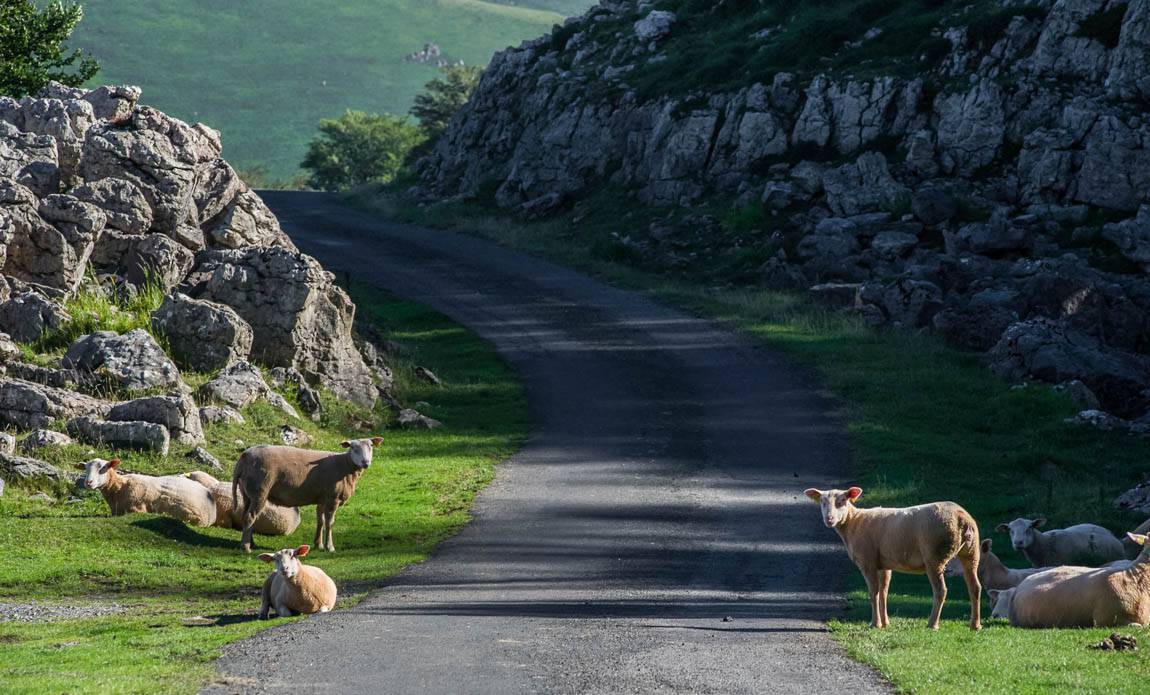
1053	352
220	415
933	205
656	25
28	315
238	386
39	439
973	327
202	458
178	414
7	443
299	317
145	436
411	419
892	244
28	406
1132	237
132	361
51	239
246	222
124	205
29	470
204	336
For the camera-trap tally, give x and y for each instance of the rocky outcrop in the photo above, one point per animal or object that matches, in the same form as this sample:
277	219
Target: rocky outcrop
28	406
132	361
145	436
1000	197
299	317
204	336
179	414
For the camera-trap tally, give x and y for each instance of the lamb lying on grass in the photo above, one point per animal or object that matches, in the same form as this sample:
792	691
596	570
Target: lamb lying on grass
293	477
295	588
274	520
170	495
1083	544
915	540
1116	595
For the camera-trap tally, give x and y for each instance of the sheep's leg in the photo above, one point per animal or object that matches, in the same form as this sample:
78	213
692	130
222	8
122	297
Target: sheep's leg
938	588
330	523
320	519
872	584
284	612
973	588
252	508
883	590
266	599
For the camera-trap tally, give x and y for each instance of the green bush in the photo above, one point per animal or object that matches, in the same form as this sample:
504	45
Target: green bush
32	49
359	148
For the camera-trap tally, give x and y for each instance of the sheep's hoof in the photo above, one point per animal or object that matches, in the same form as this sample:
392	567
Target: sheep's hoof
976	626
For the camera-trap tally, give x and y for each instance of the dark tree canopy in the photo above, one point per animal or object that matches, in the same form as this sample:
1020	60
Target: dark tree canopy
443	96
32	51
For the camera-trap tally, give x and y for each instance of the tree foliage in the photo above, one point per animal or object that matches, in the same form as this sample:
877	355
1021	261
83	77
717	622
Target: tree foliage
359	148
32	51
443	96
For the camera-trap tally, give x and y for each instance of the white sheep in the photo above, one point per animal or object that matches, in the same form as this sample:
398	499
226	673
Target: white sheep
1115	595
295	588
1083	544
170	495
915	540
274	520
293	477
993	574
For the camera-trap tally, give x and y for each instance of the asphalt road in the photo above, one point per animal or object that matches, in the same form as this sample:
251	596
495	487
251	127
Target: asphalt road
651	536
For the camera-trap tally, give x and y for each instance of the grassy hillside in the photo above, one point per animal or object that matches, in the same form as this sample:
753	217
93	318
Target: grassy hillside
264	72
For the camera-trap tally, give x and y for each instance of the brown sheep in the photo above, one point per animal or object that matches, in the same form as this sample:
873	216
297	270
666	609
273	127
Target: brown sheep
914	540
295	588
274	520
293	477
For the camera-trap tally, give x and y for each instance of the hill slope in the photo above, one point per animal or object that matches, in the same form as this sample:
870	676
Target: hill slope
264	73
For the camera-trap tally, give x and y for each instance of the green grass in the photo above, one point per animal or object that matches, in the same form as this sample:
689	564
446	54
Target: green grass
264	72
927	421
191	590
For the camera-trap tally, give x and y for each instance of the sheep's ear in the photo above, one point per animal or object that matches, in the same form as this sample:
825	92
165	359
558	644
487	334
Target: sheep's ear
302	550
82	466
1137	538
111	464
1002	528
854	493
1039	522
376	441
813	494
267	557
993	594
987	544
345	444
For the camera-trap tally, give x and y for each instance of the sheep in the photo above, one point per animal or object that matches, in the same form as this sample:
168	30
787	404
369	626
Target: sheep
298	477
295	588
1000	602
1131	548
1111	596
917	540
274	520
170	495
992	573
1084	544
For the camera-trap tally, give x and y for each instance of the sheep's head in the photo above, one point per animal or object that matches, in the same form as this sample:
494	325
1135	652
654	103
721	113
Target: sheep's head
97	472
287	560
361	450
1022	531
1143	541
836	504
1000	602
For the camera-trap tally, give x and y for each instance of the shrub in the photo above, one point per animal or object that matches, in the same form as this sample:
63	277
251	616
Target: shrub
32	49
359	148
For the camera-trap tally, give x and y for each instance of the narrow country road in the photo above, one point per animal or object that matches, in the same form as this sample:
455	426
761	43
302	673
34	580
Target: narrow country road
651	536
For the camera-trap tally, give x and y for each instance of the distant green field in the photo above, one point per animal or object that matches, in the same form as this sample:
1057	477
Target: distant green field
264	72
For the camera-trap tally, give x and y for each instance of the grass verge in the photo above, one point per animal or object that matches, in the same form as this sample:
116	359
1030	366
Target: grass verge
927	422
189	591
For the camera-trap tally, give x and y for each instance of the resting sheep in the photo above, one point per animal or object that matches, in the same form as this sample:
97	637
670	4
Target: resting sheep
293	477
294	587
170	495
916	540
1111	596
993	574
274	520
1083	544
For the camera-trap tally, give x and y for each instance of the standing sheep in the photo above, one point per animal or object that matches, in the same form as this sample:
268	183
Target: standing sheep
293	477
294	587
914	540
1111	596
1083	544
274	520
170	495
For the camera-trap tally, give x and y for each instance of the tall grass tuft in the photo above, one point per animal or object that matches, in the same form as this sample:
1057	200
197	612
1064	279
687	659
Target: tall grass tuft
99	308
